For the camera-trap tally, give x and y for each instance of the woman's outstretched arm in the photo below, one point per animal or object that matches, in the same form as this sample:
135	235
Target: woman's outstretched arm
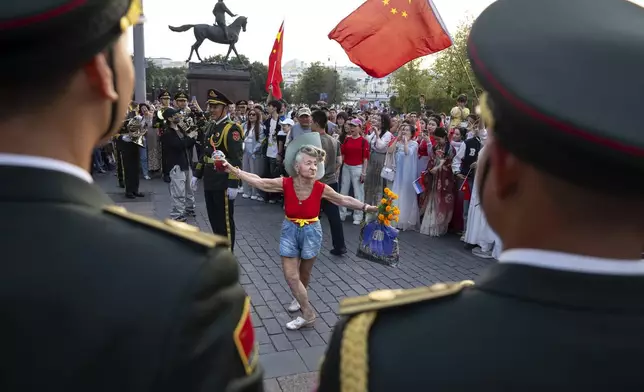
346	201
271	185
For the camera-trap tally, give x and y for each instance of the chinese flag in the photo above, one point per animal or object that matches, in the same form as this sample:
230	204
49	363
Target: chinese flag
275	65
383	35
467	192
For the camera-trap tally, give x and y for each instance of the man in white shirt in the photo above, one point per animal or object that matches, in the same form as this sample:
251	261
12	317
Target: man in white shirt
563	189
95	298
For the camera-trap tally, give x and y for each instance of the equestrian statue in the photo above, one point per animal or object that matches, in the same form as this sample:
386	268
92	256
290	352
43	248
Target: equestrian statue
218	33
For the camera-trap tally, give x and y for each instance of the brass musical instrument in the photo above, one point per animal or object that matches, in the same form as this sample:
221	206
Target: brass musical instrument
136	131
160	113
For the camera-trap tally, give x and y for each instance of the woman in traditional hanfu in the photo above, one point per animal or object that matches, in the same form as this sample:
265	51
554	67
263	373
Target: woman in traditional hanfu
439	181
478	231
301	235
405	152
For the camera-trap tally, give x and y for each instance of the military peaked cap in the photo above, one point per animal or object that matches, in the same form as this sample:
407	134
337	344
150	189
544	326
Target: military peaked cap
242	102
63	34
181	96
164	94
564	87
217	98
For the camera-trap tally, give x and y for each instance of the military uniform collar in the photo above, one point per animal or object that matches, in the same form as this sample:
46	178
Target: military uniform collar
45	163
545	286
571	262
223	119
48	184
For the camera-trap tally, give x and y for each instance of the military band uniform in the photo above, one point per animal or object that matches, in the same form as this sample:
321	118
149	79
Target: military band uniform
554	314
119	161
226	136
159	124
130	160
95	298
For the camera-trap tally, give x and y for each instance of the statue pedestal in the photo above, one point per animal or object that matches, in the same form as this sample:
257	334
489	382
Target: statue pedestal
233	81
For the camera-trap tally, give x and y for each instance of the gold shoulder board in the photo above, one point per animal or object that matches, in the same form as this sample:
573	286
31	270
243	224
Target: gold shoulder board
383	299
174	228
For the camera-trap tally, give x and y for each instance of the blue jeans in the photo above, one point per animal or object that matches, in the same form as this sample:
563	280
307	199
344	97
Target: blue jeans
302	242
143	157
97	159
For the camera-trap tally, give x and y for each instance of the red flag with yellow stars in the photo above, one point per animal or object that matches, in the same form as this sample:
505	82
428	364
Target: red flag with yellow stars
383	35
275	65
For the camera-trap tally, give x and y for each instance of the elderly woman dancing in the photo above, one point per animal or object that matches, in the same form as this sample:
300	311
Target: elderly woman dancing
301	235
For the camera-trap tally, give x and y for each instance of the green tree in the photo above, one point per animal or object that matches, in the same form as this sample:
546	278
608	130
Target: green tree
452	72
168	78
409	81
318	79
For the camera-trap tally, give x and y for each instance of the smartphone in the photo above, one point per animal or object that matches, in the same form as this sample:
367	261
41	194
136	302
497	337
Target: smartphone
194	97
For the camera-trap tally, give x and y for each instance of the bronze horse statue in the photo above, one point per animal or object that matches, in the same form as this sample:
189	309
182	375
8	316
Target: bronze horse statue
215	34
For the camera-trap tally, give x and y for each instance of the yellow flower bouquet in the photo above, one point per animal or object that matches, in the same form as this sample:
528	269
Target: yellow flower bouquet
388	213
378	239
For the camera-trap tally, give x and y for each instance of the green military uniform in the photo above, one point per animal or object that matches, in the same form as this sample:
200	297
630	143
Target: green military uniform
220	188
540	319
158	123
129	157
95	298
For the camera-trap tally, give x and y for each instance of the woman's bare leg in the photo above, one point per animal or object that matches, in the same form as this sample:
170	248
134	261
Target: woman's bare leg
291	268
306	266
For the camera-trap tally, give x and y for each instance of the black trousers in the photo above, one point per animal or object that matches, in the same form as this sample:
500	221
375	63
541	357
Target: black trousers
119	167
332	212
273	170
130	162
165	166
221	212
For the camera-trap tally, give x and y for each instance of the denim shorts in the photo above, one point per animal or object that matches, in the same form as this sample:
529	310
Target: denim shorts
302	242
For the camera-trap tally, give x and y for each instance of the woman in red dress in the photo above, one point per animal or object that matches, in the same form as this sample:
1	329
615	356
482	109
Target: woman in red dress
301	235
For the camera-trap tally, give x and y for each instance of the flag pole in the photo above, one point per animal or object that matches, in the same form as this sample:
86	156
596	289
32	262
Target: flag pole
460	58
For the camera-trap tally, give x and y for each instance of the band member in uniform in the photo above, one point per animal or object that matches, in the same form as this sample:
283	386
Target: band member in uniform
241	110
117	144
220	188
562	309
159	125
93	297
181	102
129	142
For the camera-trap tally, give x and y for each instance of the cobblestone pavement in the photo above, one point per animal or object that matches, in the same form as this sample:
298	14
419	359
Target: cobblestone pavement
291	358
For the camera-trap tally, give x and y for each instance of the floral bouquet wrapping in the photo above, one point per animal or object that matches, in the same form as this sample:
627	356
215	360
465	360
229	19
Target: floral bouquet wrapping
378	240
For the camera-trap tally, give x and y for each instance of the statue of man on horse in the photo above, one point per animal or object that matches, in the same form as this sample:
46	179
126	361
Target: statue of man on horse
220	12
219	33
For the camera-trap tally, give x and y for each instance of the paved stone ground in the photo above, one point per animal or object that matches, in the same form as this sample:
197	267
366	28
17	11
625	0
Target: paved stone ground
291	358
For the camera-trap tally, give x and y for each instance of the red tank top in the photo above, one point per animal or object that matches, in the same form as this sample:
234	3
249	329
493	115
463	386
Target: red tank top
302	209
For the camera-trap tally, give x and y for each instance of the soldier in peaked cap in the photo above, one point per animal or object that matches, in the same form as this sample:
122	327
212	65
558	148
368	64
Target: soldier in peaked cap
241	109
181	101
220	188
95	298
561	185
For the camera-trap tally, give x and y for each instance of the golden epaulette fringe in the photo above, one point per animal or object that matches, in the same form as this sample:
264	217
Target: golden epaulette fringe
174	228
383	299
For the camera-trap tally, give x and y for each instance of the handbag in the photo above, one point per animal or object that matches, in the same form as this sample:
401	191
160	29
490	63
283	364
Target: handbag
388	171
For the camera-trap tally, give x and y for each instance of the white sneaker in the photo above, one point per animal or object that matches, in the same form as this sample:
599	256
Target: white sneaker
147	177
260	199
252	197
245	196
294	306
298	323
271	202
356	222
478	252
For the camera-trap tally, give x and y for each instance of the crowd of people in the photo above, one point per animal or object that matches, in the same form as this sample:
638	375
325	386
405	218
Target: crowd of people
428	159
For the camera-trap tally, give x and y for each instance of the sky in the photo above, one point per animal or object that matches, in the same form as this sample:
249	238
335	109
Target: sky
306	26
